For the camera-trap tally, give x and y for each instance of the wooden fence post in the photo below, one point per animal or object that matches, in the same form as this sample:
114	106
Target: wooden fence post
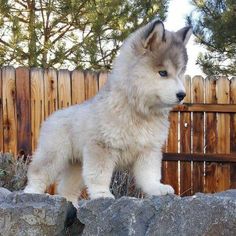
185	144
78	87
50	91
1	114
198	133
91	84
223	129
9	109
211	136
23	111
103	76
171	167
233	132
64	89
37	104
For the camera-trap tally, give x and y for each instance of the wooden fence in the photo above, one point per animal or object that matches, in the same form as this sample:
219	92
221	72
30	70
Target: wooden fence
200	154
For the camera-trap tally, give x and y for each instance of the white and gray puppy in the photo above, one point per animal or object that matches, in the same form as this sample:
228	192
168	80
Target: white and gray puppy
124	125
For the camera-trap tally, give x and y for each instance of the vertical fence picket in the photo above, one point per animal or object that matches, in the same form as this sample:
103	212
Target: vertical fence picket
164	163
91	84
9	109
1	113
23	111
64	89
102	79
171	172
211	136
78	90
185	143
50	91
198	133
233	133
37	104
223	128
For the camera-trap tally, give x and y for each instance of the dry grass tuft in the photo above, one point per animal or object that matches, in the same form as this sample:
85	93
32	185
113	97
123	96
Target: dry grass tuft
123	184
13	172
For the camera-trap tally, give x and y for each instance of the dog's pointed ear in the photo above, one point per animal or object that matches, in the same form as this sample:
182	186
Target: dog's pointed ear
155	34
185	34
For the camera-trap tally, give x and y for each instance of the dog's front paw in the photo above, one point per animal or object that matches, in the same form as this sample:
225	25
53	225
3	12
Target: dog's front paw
165	189
32	190
161	189
101	195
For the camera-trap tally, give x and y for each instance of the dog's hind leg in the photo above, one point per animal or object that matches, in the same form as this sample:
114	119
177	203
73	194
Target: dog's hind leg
43	171
71	183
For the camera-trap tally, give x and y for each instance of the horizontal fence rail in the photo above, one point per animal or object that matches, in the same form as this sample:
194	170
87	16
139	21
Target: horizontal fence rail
222	108
199	155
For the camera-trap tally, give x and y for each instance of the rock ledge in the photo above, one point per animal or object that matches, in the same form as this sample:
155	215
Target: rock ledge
202	214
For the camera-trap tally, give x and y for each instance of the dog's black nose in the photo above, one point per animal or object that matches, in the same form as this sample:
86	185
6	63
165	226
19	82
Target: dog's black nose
181	96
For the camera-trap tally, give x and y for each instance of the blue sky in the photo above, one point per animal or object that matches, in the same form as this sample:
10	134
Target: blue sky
178	9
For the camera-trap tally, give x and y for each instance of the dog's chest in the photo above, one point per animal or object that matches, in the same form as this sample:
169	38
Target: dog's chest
135	137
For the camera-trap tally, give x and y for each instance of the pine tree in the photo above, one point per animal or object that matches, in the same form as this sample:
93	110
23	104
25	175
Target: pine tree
70	33
214	25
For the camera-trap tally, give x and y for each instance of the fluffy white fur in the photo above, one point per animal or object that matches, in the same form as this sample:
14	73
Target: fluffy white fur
124	125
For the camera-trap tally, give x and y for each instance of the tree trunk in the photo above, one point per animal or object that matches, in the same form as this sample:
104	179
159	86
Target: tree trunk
32	35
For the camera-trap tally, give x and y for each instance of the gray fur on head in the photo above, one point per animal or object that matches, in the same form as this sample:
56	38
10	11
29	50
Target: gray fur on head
148	50
185	34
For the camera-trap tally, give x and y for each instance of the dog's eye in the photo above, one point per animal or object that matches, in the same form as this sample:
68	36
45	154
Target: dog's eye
163	73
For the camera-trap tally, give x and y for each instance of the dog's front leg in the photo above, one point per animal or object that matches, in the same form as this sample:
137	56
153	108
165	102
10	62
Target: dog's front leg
147	172
98	167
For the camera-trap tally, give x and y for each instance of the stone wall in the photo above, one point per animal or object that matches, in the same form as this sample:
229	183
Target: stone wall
33	214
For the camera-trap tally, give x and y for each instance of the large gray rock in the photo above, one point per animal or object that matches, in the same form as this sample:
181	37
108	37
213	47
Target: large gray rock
167	215
32	215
